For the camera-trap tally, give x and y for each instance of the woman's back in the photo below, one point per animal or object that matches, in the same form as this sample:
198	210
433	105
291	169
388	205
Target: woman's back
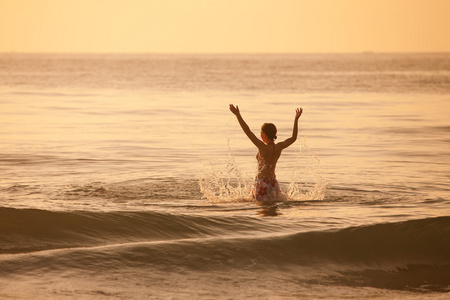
267	157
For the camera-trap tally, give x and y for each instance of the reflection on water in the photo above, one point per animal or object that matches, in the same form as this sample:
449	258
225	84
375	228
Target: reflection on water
269	209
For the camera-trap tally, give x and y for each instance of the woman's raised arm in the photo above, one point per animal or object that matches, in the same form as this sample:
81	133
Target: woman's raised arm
235	110
293	138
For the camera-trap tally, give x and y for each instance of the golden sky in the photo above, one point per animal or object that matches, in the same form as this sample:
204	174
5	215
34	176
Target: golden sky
223	26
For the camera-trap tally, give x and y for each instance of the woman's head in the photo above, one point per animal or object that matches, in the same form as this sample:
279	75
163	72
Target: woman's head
270	131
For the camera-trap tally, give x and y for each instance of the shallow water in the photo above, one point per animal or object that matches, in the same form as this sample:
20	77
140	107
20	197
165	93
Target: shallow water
126	176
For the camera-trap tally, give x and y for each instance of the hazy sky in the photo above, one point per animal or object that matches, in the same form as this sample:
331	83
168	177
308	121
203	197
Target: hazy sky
186	26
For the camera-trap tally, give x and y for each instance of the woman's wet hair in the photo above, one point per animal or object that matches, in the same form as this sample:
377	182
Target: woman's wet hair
270	130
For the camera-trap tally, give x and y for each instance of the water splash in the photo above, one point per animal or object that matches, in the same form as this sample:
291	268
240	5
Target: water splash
306	183
225	182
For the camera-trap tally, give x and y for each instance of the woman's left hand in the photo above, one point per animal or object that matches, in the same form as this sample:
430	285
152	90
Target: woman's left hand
234	109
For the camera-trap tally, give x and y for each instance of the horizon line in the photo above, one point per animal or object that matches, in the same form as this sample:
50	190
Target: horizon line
219	53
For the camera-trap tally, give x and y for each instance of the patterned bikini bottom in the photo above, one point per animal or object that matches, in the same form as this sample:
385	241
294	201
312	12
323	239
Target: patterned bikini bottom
267	189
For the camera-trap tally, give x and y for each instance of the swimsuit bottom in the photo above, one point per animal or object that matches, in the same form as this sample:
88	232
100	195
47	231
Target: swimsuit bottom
267	189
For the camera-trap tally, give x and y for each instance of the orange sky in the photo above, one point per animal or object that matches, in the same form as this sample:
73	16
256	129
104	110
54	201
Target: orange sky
217	26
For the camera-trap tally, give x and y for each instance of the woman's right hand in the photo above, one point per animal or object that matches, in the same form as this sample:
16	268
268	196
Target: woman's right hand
234	109
298	113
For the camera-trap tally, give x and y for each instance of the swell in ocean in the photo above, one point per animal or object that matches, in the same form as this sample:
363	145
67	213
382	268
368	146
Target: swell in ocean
397	255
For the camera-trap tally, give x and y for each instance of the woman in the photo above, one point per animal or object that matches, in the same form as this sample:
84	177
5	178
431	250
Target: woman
266	185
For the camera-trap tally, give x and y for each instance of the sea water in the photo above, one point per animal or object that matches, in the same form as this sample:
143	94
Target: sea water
126	176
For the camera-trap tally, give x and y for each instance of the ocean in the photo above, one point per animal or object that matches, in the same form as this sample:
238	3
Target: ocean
125	176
